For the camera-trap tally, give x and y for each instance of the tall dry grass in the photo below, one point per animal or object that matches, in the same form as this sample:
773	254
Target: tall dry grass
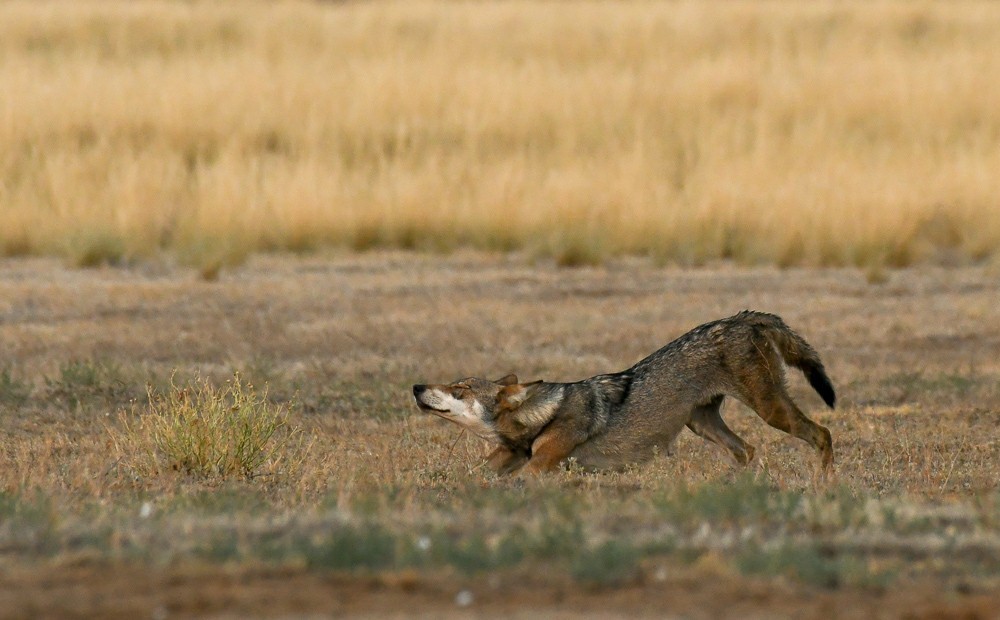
794	133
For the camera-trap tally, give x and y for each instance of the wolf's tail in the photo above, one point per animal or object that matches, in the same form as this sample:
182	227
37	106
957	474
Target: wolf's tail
796	352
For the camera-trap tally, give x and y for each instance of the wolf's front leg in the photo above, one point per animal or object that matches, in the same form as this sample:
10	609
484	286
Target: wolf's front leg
550	449
503	460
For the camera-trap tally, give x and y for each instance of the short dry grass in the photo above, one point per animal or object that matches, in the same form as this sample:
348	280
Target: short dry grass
387	490
819	133
204	430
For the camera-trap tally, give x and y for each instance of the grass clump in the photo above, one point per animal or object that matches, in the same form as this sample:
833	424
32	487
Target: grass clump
13	390
613	563
810	564
744	500
210	431
209	255
79	382
95	248
368	547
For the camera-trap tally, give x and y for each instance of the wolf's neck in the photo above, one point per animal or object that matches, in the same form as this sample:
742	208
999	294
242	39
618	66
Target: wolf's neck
541	405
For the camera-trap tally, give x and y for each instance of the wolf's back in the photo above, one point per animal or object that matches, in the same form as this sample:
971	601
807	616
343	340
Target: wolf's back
795	351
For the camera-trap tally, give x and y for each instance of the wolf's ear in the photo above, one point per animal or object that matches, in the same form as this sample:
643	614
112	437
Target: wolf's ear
508	380
514	395
511	397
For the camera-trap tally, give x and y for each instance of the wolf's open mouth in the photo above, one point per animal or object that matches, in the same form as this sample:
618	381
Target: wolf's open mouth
427	407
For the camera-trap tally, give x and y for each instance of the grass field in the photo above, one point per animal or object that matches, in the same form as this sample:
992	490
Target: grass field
819	133
381	510
296	210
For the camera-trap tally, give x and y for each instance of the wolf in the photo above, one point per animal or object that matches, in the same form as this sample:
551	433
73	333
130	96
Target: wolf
613	421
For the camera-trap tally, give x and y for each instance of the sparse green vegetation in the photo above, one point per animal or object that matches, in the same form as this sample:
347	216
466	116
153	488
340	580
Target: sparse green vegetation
744	500
14	391
799	561
476	533
612	563
80	382
366	547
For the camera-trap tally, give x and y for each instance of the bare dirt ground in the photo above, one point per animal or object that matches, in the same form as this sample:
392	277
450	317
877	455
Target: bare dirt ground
915	359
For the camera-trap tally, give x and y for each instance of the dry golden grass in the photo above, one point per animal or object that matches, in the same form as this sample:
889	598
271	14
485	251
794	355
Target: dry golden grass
792	133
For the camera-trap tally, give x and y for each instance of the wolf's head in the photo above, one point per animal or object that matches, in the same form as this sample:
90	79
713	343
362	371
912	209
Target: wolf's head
479	405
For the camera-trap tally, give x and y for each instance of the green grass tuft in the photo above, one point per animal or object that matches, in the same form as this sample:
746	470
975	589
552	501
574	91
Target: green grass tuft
613	563
211	432
14	392
94	248
80	382
353	548
746	499
810	564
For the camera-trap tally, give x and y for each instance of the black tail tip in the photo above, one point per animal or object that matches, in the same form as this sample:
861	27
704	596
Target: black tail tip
821	383
829	398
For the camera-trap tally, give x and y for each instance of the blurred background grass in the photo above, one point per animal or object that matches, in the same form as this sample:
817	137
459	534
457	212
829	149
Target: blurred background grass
820	133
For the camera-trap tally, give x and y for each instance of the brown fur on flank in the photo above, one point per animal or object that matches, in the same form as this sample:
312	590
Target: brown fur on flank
614	420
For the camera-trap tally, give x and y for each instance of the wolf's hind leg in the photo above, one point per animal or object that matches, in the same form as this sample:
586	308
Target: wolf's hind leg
762	388
780	411
707	423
